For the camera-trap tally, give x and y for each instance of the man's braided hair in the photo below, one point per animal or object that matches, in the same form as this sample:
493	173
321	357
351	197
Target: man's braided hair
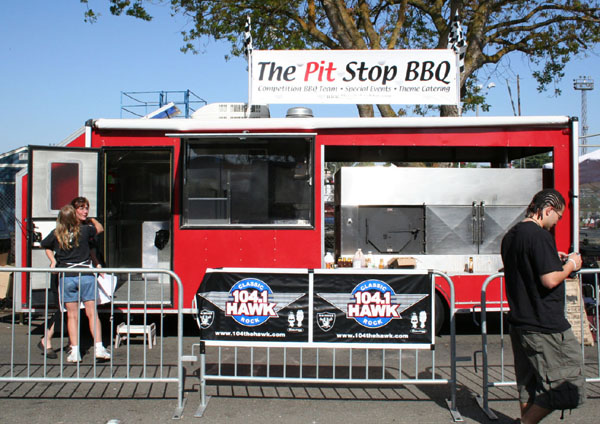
545	198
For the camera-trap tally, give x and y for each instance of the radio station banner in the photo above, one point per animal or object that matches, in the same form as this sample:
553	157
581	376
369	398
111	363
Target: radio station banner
347	307
378	308
253	306
354	77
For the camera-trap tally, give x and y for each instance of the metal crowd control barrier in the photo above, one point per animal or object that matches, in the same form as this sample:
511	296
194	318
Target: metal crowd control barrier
24	368
589	306
309	363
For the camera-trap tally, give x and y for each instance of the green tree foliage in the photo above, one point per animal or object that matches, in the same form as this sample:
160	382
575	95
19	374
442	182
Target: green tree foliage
549	33
535	161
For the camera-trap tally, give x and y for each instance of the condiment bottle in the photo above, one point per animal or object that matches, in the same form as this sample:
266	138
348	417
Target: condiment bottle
357	261
369	260
328	260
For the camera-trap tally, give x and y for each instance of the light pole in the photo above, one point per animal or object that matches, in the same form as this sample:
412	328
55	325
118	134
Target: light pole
584	84
487	89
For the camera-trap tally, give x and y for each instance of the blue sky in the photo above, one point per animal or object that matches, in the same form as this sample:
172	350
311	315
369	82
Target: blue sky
57	71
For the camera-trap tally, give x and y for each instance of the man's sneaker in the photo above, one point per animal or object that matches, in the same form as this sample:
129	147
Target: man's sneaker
73	356
102	353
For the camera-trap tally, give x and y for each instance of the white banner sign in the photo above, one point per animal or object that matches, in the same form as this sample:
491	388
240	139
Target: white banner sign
354	77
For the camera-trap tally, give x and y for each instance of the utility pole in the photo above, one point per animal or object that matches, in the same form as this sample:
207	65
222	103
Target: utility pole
584	84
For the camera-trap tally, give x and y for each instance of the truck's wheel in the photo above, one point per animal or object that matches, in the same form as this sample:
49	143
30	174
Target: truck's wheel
440	313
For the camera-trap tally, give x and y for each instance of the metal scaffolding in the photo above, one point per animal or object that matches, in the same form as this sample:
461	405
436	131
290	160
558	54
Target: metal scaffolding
136	104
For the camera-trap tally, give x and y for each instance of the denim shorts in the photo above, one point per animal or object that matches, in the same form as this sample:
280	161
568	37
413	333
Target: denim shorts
75	288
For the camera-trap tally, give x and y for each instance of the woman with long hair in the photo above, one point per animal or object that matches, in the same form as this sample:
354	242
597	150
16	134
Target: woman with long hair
68	246
82	210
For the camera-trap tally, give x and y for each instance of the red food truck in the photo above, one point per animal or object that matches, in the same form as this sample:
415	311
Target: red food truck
212	191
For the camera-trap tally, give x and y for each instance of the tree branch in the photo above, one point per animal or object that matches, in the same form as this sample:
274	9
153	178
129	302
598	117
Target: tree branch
349	25
372	34
497	37
399	24
337	24
310	25
545	8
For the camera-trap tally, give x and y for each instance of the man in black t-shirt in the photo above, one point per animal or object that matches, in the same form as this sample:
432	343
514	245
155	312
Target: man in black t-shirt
548	364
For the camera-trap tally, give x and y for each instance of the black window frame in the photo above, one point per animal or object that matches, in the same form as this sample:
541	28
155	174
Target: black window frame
245	141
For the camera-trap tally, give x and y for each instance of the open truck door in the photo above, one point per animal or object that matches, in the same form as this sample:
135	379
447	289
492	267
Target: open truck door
138	221
56	176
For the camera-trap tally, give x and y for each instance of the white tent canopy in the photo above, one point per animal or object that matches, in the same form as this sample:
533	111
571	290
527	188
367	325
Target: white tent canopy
589	167
595	155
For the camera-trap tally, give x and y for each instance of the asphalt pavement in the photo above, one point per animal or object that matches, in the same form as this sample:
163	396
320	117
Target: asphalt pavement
256	403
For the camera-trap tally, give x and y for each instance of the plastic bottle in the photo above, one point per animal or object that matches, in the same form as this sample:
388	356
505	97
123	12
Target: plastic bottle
381	264
357	261
329	260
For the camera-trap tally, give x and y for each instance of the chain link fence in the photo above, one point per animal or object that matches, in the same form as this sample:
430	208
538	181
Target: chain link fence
7	222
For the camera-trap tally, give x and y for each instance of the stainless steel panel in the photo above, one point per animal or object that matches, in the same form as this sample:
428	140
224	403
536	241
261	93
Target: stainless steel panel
497	221
382	230
467	211
348	230
449	230
454	229
437	186
152	257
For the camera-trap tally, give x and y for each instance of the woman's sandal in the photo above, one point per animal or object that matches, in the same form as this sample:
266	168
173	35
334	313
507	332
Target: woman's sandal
50	354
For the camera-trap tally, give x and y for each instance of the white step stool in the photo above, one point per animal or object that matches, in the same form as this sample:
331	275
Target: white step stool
148	331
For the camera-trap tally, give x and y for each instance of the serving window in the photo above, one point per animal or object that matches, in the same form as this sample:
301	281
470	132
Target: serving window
248	180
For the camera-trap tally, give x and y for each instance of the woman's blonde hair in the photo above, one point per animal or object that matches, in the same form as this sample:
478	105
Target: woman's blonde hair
67	228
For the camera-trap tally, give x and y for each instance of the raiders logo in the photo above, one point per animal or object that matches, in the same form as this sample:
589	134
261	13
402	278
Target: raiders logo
325	320
206	318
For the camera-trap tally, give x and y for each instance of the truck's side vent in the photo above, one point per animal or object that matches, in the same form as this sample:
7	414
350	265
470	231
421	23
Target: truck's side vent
231	111
238	108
